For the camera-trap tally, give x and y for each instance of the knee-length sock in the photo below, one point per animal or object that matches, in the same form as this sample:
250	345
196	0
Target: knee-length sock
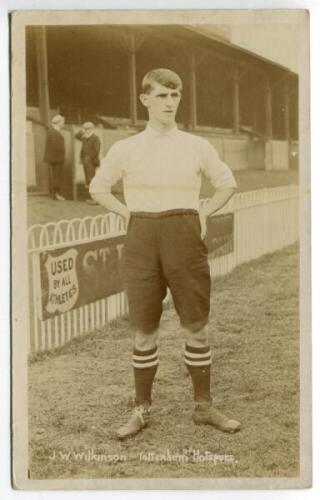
198	361
145	364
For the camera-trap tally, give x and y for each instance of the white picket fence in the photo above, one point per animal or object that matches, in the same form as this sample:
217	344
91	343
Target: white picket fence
265	220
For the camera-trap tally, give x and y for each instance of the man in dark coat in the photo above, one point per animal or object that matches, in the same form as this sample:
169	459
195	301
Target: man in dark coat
55	156
89	154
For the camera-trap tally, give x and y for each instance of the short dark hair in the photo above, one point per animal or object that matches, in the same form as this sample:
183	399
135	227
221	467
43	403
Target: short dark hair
164	77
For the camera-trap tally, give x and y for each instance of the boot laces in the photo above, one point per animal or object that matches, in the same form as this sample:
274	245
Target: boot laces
141	412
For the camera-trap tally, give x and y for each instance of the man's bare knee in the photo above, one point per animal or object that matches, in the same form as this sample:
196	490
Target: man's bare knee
199	338
145	341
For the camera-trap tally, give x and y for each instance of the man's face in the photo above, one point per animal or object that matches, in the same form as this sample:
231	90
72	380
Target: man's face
87	132
162	103
60	124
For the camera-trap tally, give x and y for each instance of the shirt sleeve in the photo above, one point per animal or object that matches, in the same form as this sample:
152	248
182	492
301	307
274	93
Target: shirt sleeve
217	171
110	171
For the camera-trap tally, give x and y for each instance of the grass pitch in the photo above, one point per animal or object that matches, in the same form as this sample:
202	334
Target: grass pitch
81	393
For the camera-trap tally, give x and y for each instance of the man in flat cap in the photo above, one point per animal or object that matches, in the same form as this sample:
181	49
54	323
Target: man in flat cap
89	154
55	156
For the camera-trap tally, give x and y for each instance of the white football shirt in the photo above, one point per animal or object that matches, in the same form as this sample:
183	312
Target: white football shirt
161	170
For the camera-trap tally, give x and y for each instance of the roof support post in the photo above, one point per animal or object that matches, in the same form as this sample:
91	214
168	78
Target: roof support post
133	79
193	91
42	74
268	108
236	101
286	105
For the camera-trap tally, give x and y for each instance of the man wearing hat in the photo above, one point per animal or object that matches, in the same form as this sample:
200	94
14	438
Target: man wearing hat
89	154
55	156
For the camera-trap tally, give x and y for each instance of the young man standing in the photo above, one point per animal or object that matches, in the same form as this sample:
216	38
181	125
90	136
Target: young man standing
161	169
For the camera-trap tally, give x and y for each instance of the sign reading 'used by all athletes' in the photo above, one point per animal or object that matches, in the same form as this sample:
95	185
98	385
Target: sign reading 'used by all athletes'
63	285
74	276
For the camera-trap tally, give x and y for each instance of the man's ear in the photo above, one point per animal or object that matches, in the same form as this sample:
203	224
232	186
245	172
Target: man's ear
144	98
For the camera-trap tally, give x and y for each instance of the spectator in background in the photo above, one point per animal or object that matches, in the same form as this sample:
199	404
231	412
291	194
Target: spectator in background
55	156
89	154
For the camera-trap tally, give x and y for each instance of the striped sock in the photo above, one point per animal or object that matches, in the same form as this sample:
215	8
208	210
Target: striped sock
198	361
145	364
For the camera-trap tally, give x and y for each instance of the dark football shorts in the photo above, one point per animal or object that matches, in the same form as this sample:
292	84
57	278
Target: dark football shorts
166	250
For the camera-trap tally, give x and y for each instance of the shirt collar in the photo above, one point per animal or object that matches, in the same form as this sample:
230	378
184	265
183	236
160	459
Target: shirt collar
152	132
89	134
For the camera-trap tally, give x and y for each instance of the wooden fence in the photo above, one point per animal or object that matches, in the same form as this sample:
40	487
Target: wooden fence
264	221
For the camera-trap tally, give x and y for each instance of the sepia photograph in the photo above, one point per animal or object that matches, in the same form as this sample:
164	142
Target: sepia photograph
161	249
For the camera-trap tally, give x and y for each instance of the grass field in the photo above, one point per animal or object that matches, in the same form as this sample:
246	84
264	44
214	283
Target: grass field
80	394
42	209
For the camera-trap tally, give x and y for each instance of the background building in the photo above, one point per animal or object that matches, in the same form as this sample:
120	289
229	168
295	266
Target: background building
244	103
